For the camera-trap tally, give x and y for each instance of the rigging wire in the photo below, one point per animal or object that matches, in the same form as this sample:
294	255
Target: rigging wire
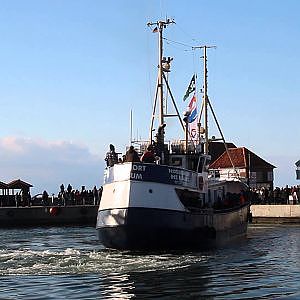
149	69
186	33
175	46
179	43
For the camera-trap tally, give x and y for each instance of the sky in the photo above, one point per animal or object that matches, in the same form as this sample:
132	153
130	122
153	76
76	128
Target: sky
71	71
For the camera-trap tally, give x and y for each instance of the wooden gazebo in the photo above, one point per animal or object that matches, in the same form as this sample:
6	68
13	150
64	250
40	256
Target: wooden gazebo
19	184
3	188
7	192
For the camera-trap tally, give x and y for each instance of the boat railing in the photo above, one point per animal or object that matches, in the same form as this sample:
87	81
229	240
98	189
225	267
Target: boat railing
173	147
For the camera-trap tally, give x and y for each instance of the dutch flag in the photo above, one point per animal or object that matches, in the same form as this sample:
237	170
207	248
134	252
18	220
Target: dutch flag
192	108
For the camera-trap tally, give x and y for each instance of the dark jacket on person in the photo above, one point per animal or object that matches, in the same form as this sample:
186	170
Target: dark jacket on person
148	157
131	155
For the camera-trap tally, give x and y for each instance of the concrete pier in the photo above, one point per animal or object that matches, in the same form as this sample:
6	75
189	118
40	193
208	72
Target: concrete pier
48	215
275	214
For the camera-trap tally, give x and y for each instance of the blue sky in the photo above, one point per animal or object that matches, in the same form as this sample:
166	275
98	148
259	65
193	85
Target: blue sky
70	71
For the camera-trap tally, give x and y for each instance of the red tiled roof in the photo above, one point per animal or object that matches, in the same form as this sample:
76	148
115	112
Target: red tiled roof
215	149
240	157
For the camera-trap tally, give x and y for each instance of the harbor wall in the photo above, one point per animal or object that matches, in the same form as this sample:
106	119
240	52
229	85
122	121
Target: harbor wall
48	216
275	213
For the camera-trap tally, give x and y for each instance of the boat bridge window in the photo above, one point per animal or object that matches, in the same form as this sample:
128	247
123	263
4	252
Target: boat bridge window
176	161
215	173
201	163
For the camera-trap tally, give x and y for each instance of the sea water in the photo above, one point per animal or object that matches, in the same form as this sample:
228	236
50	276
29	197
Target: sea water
69	263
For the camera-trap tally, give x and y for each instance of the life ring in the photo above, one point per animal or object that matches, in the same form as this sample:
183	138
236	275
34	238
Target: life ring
54	211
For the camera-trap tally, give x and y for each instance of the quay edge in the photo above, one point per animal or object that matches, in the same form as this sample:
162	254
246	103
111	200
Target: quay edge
275	214
48	216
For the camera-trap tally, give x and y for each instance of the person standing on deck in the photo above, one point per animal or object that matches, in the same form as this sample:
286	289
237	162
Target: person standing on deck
131	155
111	156
148	156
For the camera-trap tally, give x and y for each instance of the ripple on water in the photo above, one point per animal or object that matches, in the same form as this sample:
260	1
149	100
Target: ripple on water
264	266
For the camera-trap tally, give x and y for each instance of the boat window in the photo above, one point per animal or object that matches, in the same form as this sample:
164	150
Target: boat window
176	161
207	162
201	162
215	195
217	174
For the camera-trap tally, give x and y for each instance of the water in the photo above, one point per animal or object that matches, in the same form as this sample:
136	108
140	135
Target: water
69	263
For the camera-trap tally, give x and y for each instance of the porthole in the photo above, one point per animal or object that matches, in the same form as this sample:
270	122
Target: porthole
150	191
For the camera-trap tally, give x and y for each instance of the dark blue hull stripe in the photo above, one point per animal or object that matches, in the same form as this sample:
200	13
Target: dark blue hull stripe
144	229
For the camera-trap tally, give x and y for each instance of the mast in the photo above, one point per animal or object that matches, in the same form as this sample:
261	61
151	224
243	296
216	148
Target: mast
204	108
205	102
160	26
131	124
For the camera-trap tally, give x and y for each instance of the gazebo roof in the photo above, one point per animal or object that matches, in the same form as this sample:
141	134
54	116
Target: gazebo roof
18	184
3	185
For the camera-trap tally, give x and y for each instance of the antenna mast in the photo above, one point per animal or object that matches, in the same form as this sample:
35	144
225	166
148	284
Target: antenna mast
160	25
163	65
207	103
205	98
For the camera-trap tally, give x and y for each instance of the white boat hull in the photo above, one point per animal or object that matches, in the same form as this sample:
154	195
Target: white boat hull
136	214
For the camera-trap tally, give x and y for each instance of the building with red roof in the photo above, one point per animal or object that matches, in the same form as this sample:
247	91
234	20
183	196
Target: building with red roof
245	164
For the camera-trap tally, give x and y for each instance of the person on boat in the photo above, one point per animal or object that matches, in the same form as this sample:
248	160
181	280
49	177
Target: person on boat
111	156
148	156
131	155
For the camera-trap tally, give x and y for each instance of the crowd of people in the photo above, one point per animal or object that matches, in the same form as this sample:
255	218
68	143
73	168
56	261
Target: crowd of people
68	196
283	195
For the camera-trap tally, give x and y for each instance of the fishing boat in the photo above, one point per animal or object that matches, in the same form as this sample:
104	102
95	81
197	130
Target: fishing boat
172	203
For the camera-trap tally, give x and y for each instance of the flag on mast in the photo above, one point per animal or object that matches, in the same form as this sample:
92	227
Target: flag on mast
191	88
192	108
193	131
193	118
